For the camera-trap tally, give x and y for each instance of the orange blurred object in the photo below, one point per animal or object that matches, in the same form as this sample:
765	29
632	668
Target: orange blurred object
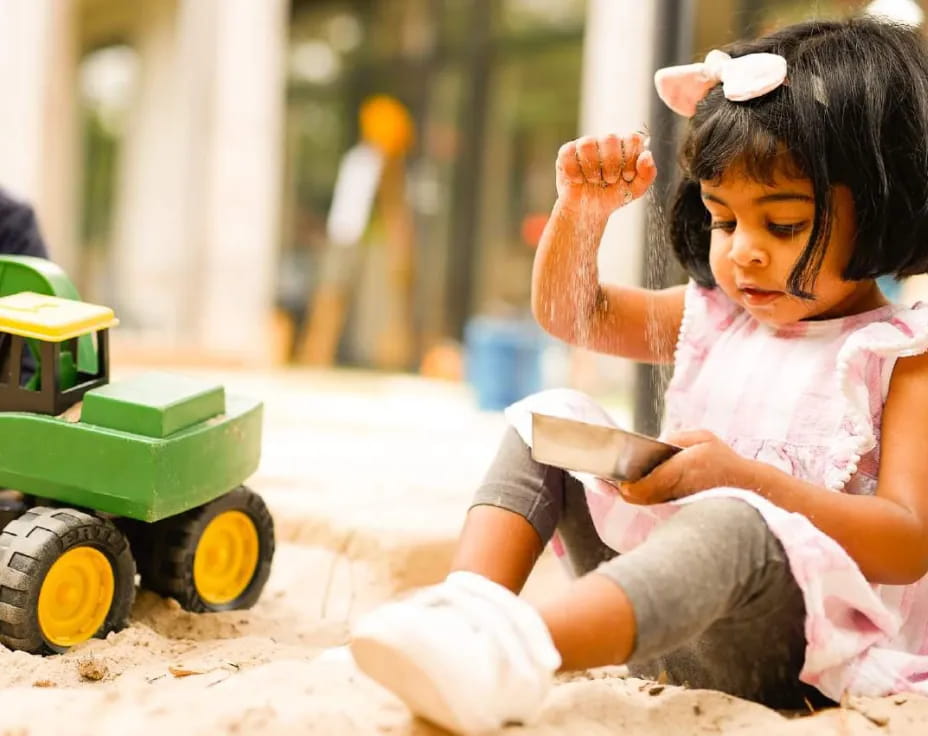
533	226
443	360
387	124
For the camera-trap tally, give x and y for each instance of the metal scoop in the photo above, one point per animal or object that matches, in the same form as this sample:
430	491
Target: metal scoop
607	452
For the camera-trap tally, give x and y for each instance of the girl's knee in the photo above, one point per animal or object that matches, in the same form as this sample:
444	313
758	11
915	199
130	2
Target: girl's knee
724	512
732	524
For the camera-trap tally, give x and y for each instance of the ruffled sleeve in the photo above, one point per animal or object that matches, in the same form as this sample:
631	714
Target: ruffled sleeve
863	368
707	313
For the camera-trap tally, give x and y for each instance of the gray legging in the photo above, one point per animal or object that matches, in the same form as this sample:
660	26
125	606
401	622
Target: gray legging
715	603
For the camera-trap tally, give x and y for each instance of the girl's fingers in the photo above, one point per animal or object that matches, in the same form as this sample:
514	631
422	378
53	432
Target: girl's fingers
568	164
610	151
640	492
589	159
658	486
645	173
631	492
690	437
608	161
633	148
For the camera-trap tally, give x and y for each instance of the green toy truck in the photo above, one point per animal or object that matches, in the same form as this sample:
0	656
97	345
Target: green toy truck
112	480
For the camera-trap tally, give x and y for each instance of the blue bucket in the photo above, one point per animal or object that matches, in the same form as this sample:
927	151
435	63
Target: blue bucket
503	360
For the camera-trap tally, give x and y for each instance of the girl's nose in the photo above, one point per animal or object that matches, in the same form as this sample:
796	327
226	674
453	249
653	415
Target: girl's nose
745	252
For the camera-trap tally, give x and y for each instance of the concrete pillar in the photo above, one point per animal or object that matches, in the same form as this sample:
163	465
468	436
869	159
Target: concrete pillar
151	248
38	127
197	231
617	82
237	219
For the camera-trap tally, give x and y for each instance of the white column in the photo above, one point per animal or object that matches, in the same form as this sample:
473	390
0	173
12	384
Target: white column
38	125
617	83
198	217
151	243
240	144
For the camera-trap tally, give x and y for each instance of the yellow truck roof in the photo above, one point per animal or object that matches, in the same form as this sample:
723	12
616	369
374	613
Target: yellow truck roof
51	318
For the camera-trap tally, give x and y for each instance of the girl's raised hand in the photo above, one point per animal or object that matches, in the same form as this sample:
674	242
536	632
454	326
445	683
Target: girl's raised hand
605	173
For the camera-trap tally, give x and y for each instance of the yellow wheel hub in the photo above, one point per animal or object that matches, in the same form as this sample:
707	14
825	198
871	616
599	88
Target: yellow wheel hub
75	596
226	557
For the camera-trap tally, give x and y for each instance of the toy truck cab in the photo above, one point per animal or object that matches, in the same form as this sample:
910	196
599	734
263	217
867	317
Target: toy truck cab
48	328
141	476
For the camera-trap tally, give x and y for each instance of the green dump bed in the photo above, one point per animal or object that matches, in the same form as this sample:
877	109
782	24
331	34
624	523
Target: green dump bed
146	448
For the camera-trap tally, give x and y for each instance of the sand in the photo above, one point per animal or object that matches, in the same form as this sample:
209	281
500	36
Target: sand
352	533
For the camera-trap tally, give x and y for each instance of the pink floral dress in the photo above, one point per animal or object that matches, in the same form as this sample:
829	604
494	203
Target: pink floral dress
808	399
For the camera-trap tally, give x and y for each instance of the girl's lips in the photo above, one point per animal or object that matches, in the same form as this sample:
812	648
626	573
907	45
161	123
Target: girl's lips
759	297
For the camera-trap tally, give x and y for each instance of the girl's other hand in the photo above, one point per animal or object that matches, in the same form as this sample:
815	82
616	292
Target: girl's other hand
604	173
705	462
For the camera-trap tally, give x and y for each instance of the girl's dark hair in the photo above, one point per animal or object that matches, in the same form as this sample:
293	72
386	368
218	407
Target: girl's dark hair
853	111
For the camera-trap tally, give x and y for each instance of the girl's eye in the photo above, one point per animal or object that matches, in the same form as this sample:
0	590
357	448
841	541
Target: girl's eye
724	225
787	231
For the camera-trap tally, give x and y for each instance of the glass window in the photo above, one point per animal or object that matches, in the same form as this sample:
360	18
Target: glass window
493	89
718	22
533	109
522	17
108	78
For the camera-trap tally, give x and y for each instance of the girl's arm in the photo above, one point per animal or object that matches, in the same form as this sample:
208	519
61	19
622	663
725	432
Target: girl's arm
886	534
594	178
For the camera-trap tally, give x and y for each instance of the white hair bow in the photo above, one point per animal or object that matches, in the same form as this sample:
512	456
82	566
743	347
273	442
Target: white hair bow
743	78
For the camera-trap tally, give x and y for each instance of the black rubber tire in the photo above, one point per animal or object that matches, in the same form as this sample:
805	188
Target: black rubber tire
30	545
170	545
137	534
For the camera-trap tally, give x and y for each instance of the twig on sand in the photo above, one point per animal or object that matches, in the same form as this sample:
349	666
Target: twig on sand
229	673
847	704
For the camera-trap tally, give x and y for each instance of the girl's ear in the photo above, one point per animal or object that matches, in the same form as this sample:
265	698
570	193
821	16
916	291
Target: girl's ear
689	231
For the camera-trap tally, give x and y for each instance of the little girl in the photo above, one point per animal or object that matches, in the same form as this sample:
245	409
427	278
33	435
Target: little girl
784	551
